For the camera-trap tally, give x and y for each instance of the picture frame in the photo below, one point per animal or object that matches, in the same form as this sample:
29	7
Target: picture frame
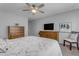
65	27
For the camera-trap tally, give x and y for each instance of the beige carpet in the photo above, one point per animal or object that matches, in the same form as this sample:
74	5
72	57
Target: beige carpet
67	52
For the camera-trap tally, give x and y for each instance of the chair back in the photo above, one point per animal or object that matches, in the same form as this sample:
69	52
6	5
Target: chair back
74	35
78	37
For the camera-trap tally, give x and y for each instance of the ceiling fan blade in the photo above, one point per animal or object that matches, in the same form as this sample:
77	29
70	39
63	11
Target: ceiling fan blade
41	11
28	4
33	5
26	10
40	6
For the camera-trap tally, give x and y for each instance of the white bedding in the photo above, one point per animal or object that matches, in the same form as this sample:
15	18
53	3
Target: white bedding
32	46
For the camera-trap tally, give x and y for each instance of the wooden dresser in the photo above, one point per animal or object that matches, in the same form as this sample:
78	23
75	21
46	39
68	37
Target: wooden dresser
15	32
49	34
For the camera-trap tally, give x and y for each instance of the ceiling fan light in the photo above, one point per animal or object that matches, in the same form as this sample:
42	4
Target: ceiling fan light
34	11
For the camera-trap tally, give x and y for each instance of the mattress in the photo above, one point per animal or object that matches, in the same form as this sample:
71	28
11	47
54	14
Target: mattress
32	46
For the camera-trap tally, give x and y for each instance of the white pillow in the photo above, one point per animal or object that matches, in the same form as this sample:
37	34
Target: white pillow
3	44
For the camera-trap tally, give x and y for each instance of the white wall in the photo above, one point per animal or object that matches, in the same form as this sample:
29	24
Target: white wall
31	28
10	19
72	16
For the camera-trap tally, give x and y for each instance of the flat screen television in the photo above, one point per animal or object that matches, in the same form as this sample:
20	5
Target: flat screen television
49	26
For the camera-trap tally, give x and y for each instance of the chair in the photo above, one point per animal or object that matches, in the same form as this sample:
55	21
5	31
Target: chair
72	39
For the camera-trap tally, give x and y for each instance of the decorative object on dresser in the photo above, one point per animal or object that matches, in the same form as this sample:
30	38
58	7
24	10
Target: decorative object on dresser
49	34
15	32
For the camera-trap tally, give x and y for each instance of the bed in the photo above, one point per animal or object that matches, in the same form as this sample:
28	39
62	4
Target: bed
31	46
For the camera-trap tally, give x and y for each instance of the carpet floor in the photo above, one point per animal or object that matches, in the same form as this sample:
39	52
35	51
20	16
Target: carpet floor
67	52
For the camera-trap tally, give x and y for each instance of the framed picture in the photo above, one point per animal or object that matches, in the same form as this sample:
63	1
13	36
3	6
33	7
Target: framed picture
65	27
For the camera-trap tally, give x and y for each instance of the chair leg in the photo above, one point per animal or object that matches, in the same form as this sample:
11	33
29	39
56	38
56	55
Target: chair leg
77	46
70	46
64	43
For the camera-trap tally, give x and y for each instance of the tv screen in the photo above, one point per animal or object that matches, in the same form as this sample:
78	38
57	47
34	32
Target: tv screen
49	26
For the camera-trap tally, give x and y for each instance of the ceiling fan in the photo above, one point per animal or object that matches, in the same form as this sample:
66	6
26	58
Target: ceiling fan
34	8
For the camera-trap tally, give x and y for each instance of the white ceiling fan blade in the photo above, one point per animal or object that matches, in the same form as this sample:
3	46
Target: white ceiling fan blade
33	6
26	10
41	11
40	6
28	4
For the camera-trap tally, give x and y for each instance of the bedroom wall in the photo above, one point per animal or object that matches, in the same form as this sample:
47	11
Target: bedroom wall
10	19
71	16
31	28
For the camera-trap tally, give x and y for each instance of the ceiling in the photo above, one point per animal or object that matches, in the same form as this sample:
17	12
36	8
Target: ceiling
50	9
